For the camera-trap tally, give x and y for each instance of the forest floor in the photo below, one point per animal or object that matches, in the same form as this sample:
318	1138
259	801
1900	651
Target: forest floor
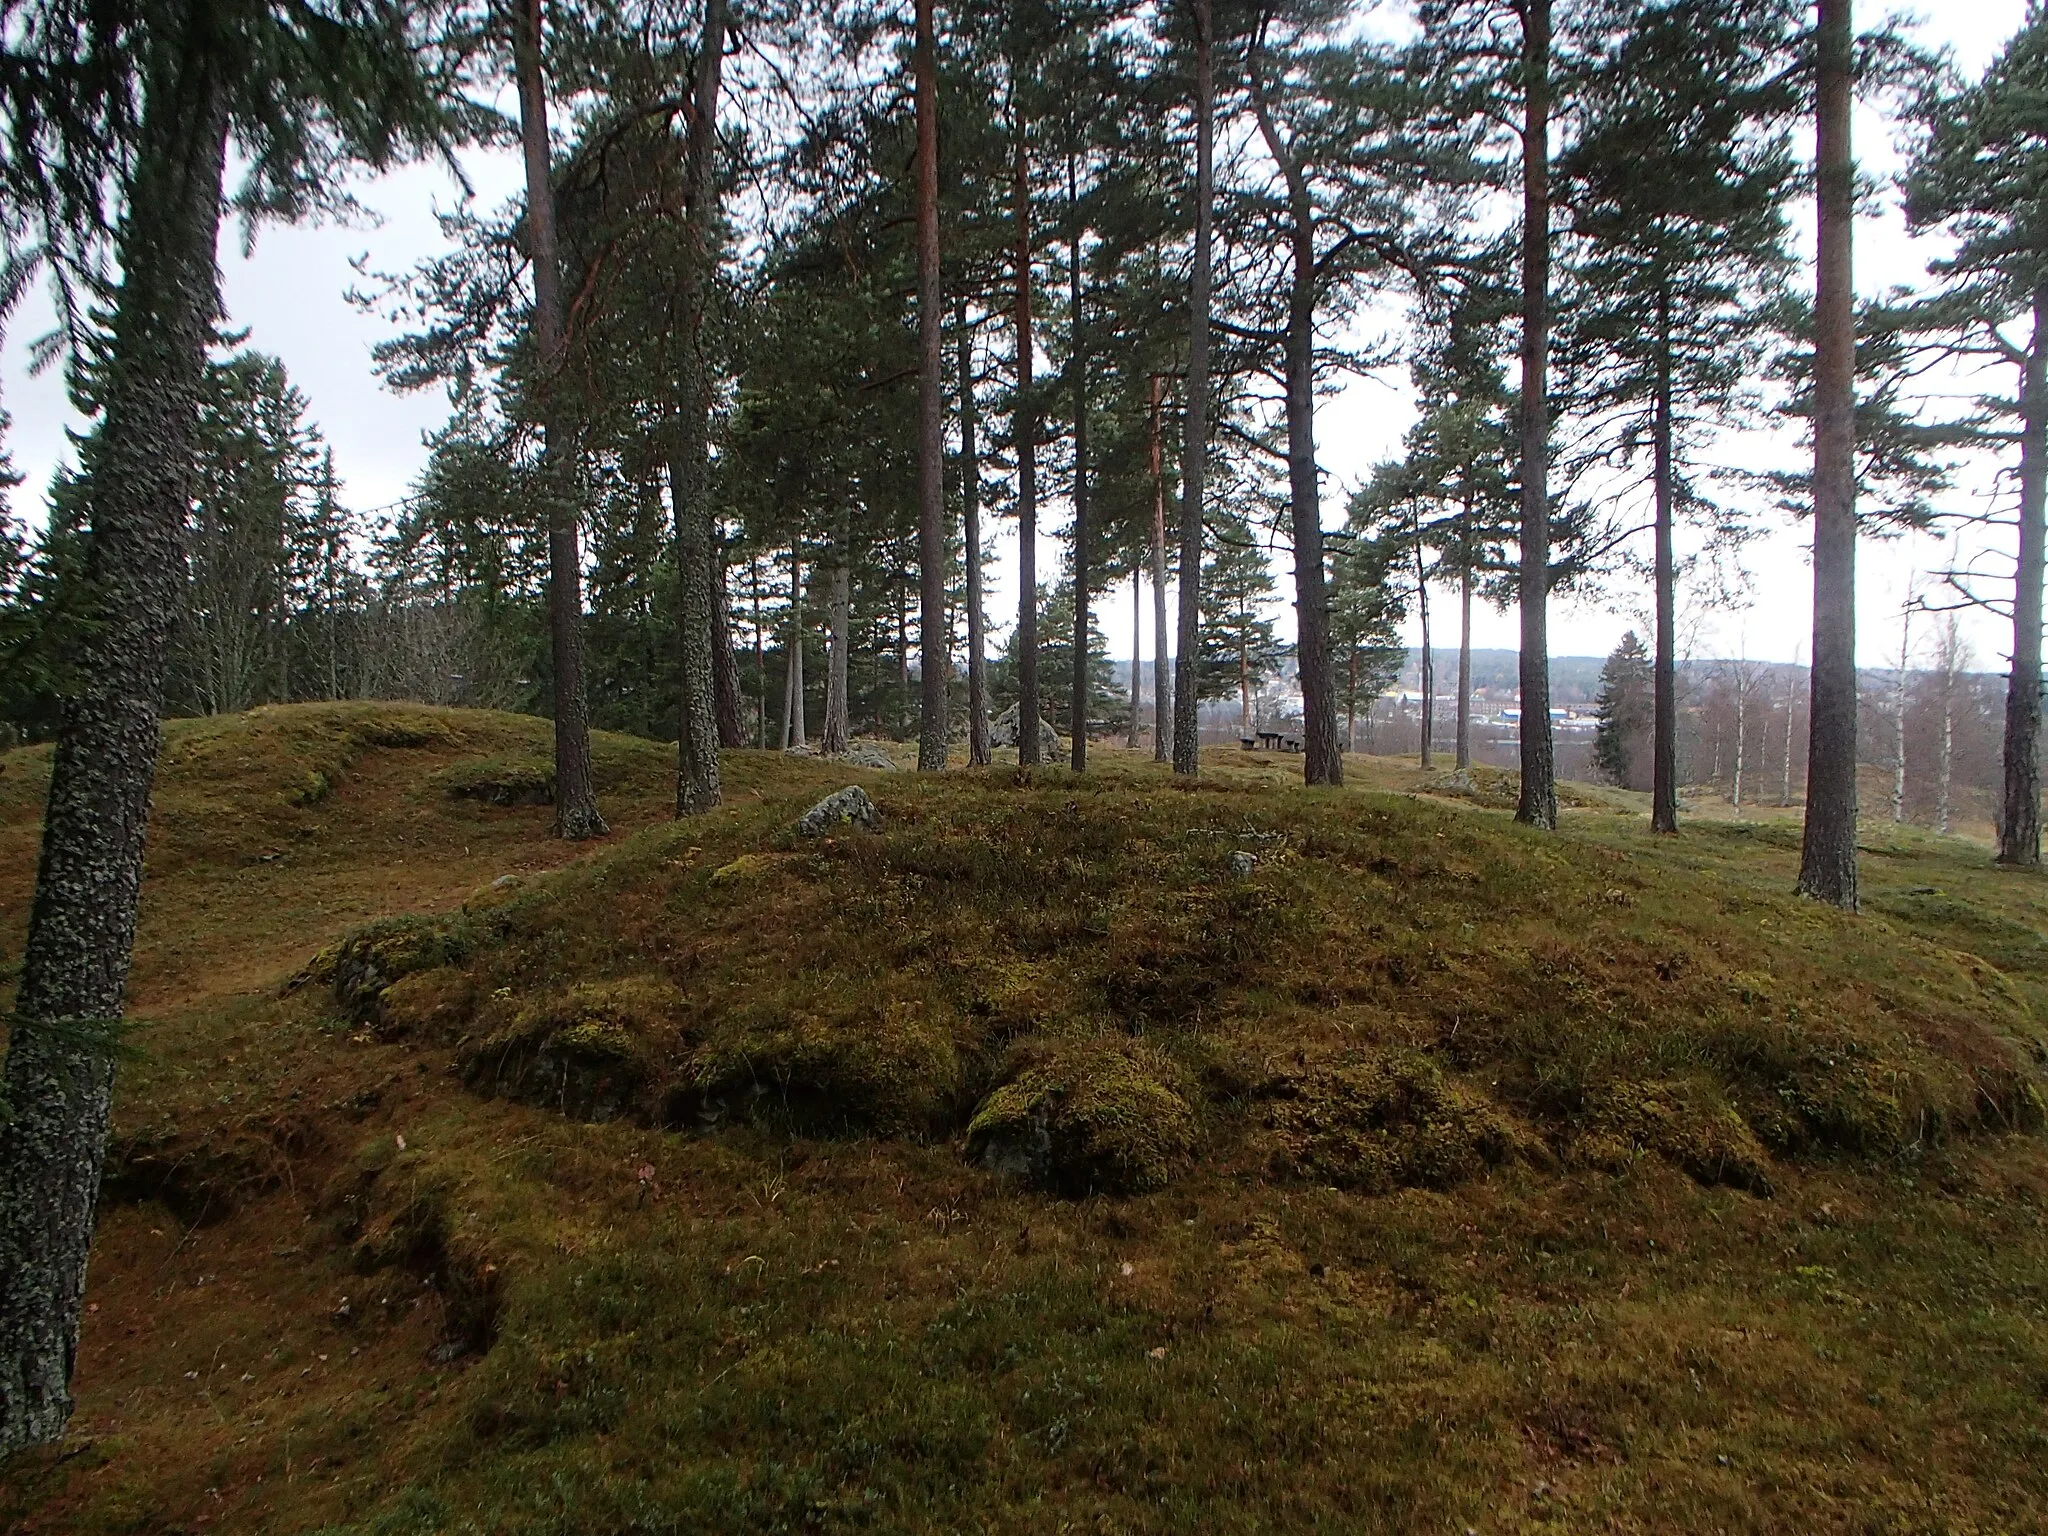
1032	1166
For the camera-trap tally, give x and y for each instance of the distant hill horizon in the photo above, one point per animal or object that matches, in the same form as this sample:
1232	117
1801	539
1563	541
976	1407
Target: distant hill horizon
1573	679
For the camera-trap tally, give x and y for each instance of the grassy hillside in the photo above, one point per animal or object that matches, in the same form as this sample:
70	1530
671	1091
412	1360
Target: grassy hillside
1034	1165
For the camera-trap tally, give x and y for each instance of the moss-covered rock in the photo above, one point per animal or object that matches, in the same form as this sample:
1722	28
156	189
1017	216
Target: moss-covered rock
893	1070
1685	1122
1085	1116
500	781
374	957
428	1005
1379	1120
595	1052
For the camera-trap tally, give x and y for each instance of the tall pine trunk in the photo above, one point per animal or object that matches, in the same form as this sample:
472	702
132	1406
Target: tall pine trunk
58	1076
2019	821
725	667
1162	672
1081	573
1427	743
698	787
1187	739
832	736
1322	763
1664	708
1025	429
1827	863
793	672
1537	805
934	632
576	814
1137	652
970	503
1465	642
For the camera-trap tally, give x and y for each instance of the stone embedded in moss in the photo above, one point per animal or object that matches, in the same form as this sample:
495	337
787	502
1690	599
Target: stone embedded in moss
892	1071
428	1005
374	957
1377	1120
595	1052
1085	1116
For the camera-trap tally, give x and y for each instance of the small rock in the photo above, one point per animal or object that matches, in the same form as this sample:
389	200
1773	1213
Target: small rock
867	754
1457	782
842	808
447	1352
1005	730
1241	864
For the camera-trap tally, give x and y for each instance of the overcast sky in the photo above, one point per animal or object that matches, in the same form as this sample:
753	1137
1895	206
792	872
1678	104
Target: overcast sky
290	294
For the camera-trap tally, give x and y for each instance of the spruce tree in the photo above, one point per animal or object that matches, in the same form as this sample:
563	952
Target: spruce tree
1625	709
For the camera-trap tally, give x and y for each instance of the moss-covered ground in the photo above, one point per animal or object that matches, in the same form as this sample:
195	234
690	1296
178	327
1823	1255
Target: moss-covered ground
1032	1165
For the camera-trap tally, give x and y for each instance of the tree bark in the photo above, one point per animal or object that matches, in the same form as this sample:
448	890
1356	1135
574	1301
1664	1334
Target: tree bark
1537	804
576	814
1082	588
760	656
698	787
1428	742
1025	429
832	737
1187	739
970	502
725	666
57	1080
1162	672
1465	643
793	671
1827	864
1322	763
1664	709
2019	821
1137	652
934	633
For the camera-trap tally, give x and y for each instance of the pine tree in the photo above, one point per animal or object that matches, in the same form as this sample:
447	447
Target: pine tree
1827	865
701	635
576	813
1240	649
1677	183
1981	175
299	93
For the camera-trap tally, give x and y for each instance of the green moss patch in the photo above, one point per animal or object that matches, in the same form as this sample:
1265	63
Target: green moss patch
499	781
596	1052
376	956
1085	1116
1686	1122
893	1069
1376	1120
430	1005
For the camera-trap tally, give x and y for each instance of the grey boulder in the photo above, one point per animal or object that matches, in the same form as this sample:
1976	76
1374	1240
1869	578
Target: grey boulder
843	808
